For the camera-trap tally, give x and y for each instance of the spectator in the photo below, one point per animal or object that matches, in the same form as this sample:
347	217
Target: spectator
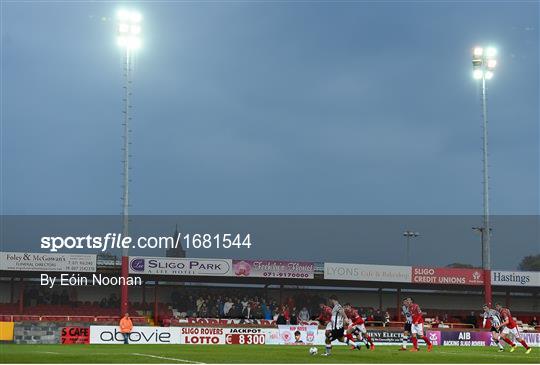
281	318
125	327
534	322
267	311
227	307
303	315
293	320
386	318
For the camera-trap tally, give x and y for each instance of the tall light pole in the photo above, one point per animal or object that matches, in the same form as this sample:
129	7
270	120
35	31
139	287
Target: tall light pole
484	63
408	235
129	30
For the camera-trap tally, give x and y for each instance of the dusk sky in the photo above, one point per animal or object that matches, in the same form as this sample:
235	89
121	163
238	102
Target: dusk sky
271	108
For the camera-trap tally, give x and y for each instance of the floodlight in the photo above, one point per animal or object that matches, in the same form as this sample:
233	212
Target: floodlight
491	52
477	74
129	29
489	75
491	63
478	51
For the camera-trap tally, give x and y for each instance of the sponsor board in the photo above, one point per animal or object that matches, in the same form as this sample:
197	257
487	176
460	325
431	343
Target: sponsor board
248	336
515	278
227	321
6	331
447	276
139	335
179	266
75	335
274	269
225	336
460	338
307	335
387	337
399	274
32	261
183	335
532	338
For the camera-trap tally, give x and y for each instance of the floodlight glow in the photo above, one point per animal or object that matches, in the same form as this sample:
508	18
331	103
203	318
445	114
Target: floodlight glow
478	51
478	74
129	29
122	41
123	15
491	52
489	75
491	63
135	17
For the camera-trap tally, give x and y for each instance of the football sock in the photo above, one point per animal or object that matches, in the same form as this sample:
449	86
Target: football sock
415	342
524	344
405	340
509	342
328	349
426	340
499	344
368	337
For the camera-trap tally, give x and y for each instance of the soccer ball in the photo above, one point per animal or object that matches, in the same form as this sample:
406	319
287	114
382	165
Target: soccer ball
313	351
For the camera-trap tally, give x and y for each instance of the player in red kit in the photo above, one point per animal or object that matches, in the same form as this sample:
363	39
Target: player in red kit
357	327
417	327
325	316
509	326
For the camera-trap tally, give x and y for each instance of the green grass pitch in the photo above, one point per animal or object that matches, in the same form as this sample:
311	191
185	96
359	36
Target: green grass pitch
185	354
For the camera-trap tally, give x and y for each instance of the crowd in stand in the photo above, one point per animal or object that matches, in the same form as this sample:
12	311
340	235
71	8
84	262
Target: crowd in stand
243	305
302	307
35	295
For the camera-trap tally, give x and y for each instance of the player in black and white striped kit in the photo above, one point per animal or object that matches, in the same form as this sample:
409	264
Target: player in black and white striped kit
407	326
495	320
337	330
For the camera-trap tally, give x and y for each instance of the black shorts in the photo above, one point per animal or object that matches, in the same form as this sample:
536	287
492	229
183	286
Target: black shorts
493	329
407	327
337	334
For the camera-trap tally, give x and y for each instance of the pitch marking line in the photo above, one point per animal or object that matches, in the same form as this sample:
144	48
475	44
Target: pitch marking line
168	358
494	355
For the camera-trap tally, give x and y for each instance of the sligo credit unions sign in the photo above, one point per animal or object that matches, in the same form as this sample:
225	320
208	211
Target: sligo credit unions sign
179	266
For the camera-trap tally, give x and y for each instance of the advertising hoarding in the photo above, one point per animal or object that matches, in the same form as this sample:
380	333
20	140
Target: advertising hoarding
32	261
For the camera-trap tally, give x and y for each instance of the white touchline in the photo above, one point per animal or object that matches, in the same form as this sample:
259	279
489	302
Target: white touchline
168	358
494	355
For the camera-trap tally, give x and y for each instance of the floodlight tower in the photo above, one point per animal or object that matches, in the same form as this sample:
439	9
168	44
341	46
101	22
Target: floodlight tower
484	62
408	235
129	29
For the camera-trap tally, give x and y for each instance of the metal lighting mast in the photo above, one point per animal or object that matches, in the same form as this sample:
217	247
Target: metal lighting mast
484	63
408	235
129	30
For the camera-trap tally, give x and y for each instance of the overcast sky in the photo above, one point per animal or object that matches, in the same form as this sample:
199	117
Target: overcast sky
271	108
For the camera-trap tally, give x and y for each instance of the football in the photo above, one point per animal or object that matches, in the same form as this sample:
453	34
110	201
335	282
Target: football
313	351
